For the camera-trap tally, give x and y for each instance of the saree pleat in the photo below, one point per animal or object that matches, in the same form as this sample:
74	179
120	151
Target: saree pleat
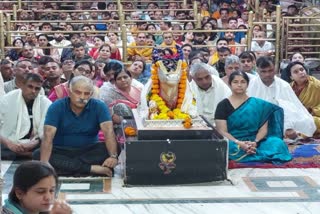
244	124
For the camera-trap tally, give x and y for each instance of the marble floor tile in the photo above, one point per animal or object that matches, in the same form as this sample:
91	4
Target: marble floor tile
256	191
73	186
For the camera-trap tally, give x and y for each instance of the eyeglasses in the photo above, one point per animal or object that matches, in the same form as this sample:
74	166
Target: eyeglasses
84	71
68	62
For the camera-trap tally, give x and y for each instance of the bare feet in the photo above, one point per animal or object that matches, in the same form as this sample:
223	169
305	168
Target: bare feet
291	134
101	170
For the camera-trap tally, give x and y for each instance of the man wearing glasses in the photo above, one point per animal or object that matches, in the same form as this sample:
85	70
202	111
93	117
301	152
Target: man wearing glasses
22	114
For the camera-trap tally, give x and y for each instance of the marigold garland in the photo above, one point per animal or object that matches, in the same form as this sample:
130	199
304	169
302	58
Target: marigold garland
165	113
130	131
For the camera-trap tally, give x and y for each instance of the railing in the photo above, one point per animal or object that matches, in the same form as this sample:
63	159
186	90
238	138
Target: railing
6	24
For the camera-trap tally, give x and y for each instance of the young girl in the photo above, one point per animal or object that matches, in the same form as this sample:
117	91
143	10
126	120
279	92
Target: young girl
33	191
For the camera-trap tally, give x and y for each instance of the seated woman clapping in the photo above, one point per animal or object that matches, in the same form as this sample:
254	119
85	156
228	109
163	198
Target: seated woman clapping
253	126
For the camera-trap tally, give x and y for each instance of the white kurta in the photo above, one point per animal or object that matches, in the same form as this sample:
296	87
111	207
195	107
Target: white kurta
14	117
208	100
1	85
280	93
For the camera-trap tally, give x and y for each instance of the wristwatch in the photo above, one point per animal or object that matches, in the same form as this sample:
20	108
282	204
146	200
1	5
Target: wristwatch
115	156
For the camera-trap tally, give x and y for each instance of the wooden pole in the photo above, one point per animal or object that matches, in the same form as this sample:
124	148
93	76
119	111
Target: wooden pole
1	36
19	4
8	28
195	9
124	43
250	25
198	20
278	32
184	4
256	10
15	12
121	15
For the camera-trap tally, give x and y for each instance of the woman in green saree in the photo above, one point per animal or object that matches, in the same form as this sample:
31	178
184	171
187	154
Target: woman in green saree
253	126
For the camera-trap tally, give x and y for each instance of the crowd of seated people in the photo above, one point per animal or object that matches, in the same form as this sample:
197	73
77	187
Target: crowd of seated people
82	84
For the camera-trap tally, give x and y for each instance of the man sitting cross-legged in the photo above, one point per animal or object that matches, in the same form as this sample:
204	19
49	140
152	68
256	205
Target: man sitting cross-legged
71	128
22	114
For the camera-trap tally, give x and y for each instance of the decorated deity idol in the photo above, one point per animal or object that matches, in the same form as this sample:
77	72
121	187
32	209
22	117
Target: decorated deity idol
167	94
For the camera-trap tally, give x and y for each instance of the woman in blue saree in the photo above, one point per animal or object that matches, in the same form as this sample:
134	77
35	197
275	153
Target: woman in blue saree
253	126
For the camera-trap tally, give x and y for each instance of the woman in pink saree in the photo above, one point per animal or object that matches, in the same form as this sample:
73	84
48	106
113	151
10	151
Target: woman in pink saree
123	96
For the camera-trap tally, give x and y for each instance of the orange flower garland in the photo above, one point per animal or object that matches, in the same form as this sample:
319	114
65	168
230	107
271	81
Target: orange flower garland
130	131
165	113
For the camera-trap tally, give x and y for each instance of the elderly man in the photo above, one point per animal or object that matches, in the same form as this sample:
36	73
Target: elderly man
208	89
6	70
21	68
273	89
232	63
22	114
71	133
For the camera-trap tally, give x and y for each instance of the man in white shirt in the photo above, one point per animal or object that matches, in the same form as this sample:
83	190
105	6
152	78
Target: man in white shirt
260	46
59	40
208	89
22	113
1	86
273	89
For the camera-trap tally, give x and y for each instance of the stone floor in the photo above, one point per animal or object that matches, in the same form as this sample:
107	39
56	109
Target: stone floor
283	191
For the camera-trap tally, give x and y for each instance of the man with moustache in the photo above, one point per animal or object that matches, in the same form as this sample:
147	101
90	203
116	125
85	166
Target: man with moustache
21	68
71	129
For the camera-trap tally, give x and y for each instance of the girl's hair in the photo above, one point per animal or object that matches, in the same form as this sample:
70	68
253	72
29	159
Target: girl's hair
116	73
288	69
29	174
185	24
46	51
44	35
84	62
213	35
113	65
143	63
151	24
105	45
99	37
295	54
238	73
14	42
